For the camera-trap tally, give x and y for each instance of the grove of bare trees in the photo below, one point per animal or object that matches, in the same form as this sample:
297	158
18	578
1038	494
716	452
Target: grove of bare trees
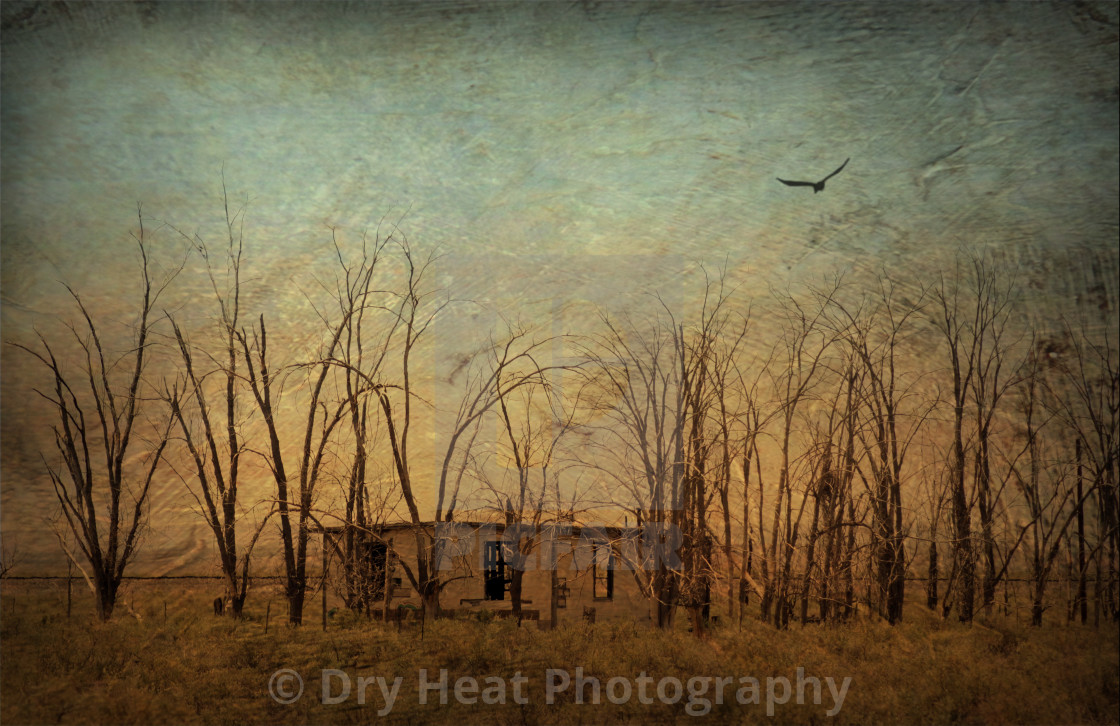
795	455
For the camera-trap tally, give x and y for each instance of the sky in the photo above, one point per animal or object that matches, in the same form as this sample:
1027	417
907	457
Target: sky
562	157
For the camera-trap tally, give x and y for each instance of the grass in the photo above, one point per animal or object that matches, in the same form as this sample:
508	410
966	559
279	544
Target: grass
190	667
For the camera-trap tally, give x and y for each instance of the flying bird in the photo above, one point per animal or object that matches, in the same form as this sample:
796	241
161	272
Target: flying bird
817	186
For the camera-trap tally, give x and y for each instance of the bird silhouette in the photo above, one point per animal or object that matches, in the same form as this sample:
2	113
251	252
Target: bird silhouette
817	186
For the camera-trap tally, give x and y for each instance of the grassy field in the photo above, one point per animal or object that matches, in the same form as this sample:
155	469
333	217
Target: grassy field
165	659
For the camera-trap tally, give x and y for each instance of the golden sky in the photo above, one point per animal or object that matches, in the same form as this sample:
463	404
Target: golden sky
563	156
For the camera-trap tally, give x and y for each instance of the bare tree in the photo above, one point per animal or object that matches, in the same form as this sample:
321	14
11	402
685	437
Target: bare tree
936	495
834	434
706	352
534	419
211	432
1089	398
753	417
294	499
665	394
321	415
500	370
1045	483
360	356
734	409
106	464
956	320
801	359
639	445
891	421
993	299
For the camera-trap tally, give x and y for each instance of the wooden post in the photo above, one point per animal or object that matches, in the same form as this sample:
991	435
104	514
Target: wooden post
267	612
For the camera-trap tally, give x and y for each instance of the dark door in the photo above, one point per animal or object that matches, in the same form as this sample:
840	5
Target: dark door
494	571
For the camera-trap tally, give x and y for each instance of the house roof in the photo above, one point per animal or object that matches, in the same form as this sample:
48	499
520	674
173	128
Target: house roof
610	530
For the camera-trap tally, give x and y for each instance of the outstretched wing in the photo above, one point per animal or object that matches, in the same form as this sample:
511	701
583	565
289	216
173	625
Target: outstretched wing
794	183
837	171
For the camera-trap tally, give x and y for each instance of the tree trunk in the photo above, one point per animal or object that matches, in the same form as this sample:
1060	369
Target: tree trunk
849	550
664	592
985	505
962	543
295	607
1038	589
235	598
429	599
931	580
1082	599
696	617
810	557
106	596
896	592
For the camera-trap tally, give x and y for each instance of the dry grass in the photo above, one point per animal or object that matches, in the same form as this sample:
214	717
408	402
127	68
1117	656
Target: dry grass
191	667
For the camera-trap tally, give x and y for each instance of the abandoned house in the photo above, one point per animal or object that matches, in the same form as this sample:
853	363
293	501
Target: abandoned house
596	577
